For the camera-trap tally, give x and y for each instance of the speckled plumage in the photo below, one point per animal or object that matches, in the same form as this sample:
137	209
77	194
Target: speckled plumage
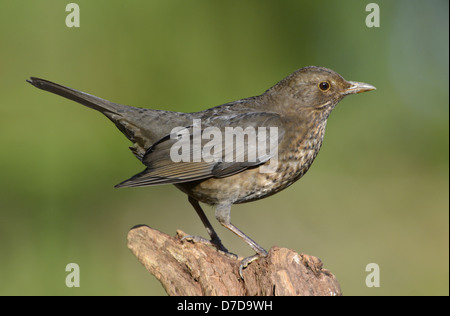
298	106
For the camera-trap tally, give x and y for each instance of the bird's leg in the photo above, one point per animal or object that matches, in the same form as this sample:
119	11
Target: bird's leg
215	240
223	215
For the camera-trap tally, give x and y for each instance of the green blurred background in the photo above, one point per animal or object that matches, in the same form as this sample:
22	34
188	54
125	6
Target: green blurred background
378	191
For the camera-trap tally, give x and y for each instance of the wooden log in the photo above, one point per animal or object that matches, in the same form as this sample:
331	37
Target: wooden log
186	268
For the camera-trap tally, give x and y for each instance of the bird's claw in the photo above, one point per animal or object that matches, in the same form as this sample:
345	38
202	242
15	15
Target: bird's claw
213	243
246	261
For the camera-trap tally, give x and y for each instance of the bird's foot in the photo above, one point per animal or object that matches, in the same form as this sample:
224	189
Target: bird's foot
246	261
213	243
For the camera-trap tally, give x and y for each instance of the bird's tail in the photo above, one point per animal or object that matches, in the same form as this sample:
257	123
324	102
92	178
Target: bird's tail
126	118
86	99
141	126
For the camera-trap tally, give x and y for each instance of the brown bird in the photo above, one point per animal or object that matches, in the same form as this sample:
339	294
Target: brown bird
289	118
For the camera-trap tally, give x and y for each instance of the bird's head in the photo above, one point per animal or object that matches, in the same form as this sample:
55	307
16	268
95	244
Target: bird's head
314	89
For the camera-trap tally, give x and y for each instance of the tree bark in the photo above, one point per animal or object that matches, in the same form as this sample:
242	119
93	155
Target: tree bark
186	268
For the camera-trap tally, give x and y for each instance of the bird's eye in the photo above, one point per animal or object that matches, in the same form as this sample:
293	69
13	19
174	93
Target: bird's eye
324	85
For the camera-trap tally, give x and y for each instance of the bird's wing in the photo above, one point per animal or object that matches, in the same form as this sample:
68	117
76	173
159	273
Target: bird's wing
221	147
